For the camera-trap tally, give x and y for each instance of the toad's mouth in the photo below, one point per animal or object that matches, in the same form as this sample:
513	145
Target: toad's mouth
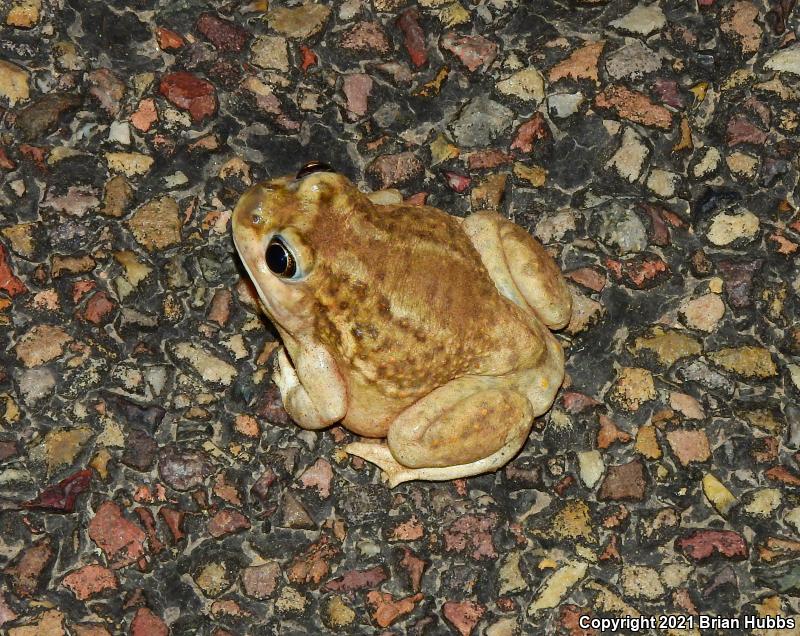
243	257
244	239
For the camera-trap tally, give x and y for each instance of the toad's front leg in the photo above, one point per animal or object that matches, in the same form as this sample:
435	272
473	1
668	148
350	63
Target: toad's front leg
467	427
315	374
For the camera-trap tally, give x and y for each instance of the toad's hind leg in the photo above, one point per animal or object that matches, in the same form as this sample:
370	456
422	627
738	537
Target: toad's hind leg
521	268
461	429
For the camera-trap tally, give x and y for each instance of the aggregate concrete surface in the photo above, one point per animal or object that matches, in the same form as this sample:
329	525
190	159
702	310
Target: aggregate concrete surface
150	481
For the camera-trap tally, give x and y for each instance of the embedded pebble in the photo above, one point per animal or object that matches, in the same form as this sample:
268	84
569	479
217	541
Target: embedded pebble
395	169
785	61
629	159
510	576
687	405
749	361
632	61
157	225
557	585
474	51
357	88
301	22
727	228
647	442
563	105
689	445
707	164
623	228
763	503
261	581
793	517
642	20
718	494
89	581
663	183
41	344
742	165
703	544
24	14
210	367
43	115
639	581
582	63
527	85
129	163
191	93
270	52
36	384
793	417
339	615
633	387
480	122
14	82
703	312
591	467
634	106
669	346
624	482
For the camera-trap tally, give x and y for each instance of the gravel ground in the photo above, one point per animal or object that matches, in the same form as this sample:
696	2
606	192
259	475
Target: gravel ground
150	481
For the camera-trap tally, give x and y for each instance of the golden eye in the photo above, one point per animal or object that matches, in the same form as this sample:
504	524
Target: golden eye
279	259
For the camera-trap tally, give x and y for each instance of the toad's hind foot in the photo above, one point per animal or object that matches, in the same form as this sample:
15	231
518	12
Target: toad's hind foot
395	473
381	456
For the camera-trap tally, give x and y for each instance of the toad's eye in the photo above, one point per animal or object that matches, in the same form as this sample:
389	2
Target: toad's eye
313	166
279	259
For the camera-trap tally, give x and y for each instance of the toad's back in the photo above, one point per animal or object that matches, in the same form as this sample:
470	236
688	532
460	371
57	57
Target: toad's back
404	298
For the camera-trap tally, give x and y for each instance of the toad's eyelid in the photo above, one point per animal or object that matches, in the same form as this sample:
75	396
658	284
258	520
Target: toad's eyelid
313	166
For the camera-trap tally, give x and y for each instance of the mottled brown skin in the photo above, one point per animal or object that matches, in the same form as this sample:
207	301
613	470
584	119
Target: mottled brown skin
397	304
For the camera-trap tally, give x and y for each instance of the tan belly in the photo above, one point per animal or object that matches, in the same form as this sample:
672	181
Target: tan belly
369	412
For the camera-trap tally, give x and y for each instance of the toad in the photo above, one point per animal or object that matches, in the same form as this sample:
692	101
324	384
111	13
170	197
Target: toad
426	332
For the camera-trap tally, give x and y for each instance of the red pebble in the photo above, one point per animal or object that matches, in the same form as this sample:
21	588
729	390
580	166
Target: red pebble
146	623
99	308
5	162
61	496
457	182
413	36
703	544
168	39
191	93
533	130
9	282
308	58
